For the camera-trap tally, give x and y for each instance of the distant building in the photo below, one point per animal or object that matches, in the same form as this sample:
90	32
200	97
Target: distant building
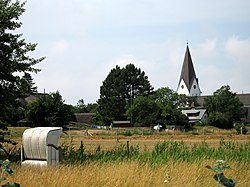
188	83
195	115
85	118
121	124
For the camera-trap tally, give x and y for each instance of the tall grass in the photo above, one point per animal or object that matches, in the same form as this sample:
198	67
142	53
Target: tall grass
127	174
162	152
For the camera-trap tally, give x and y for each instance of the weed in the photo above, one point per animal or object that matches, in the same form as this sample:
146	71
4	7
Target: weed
6	170
219	176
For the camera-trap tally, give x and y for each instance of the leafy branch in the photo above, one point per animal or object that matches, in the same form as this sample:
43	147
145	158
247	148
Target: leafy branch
6	170
219	176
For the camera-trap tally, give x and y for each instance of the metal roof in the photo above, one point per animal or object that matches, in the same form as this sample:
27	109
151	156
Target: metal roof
187	71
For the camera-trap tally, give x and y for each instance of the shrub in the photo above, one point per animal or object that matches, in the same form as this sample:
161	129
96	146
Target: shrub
202	123
240	128
127	133
6	170
219	176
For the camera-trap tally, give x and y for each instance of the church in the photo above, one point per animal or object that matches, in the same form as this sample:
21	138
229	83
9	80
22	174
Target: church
189	85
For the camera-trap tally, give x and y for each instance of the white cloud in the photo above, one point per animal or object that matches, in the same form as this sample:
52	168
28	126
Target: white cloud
238	49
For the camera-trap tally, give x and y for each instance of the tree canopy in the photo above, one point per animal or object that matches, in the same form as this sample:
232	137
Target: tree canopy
224	107
160	107
144	111
14	58
119	89
49	110
169	102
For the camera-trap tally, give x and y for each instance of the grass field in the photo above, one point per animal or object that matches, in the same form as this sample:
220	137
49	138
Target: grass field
139	170
128	174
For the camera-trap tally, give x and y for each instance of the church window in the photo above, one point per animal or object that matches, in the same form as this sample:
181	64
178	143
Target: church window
194	86
182	86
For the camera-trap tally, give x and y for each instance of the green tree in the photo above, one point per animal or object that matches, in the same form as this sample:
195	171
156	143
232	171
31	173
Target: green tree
185	101
119	89
92	107
81	107
166	96
49	110
14	58
144	111
224	107
168	100
27	85
13	54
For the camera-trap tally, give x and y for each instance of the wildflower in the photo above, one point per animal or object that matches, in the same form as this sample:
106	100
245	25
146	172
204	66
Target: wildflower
221	161
167	178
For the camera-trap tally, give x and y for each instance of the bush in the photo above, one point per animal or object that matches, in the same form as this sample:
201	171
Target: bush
220	120
240	128
127	133
201	123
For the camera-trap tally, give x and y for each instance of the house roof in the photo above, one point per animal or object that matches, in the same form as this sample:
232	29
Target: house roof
244	98
194	114
121	122
187	71
83	117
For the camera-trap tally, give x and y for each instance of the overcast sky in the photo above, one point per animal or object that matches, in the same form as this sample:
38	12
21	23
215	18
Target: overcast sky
83	40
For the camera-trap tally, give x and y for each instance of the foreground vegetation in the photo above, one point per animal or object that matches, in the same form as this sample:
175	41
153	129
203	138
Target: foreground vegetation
161	154
121	161
128	174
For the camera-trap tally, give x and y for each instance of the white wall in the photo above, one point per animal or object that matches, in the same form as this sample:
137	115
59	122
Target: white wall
182	88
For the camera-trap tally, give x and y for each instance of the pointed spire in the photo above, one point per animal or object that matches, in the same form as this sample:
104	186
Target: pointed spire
187	72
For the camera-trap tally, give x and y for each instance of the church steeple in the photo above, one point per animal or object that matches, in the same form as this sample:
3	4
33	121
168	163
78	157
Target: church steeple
188	82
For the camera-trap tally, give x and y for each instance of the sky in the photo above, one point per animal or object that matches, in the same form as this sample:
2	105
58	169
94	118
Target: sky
83	40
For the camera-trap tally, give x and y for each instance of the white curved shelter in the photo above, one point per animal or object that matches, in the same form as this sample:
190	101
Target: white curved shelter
40	146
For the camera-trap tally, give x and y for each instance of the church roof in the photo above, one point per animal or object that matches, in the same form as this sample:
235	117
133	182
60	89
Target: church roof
187	72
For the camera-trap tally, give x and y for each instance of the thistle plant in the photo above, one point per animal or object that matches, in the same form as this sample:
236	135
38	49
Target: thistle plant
6	170
219	176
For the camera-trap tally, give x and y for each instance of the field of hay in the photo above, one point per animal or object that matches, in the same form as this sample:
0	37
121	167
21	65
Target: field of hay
131	172
128	174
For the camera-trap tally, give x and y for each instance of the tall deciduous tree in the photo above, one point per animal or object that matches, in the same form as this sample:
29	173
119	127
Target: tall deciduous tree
169	102
49	110
224	107
144	112
14	57
119	89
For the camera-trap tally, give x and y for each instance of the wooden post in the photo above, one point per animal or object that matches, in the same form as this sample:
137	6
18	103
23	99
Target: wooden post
128	149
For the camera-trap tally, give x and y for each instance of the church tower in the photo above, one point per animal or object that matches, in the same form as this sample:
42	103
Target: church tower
188	83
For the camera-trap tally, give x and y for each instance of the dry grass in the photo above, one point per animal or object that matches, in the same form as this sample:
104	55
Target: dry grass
127	174
149	142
